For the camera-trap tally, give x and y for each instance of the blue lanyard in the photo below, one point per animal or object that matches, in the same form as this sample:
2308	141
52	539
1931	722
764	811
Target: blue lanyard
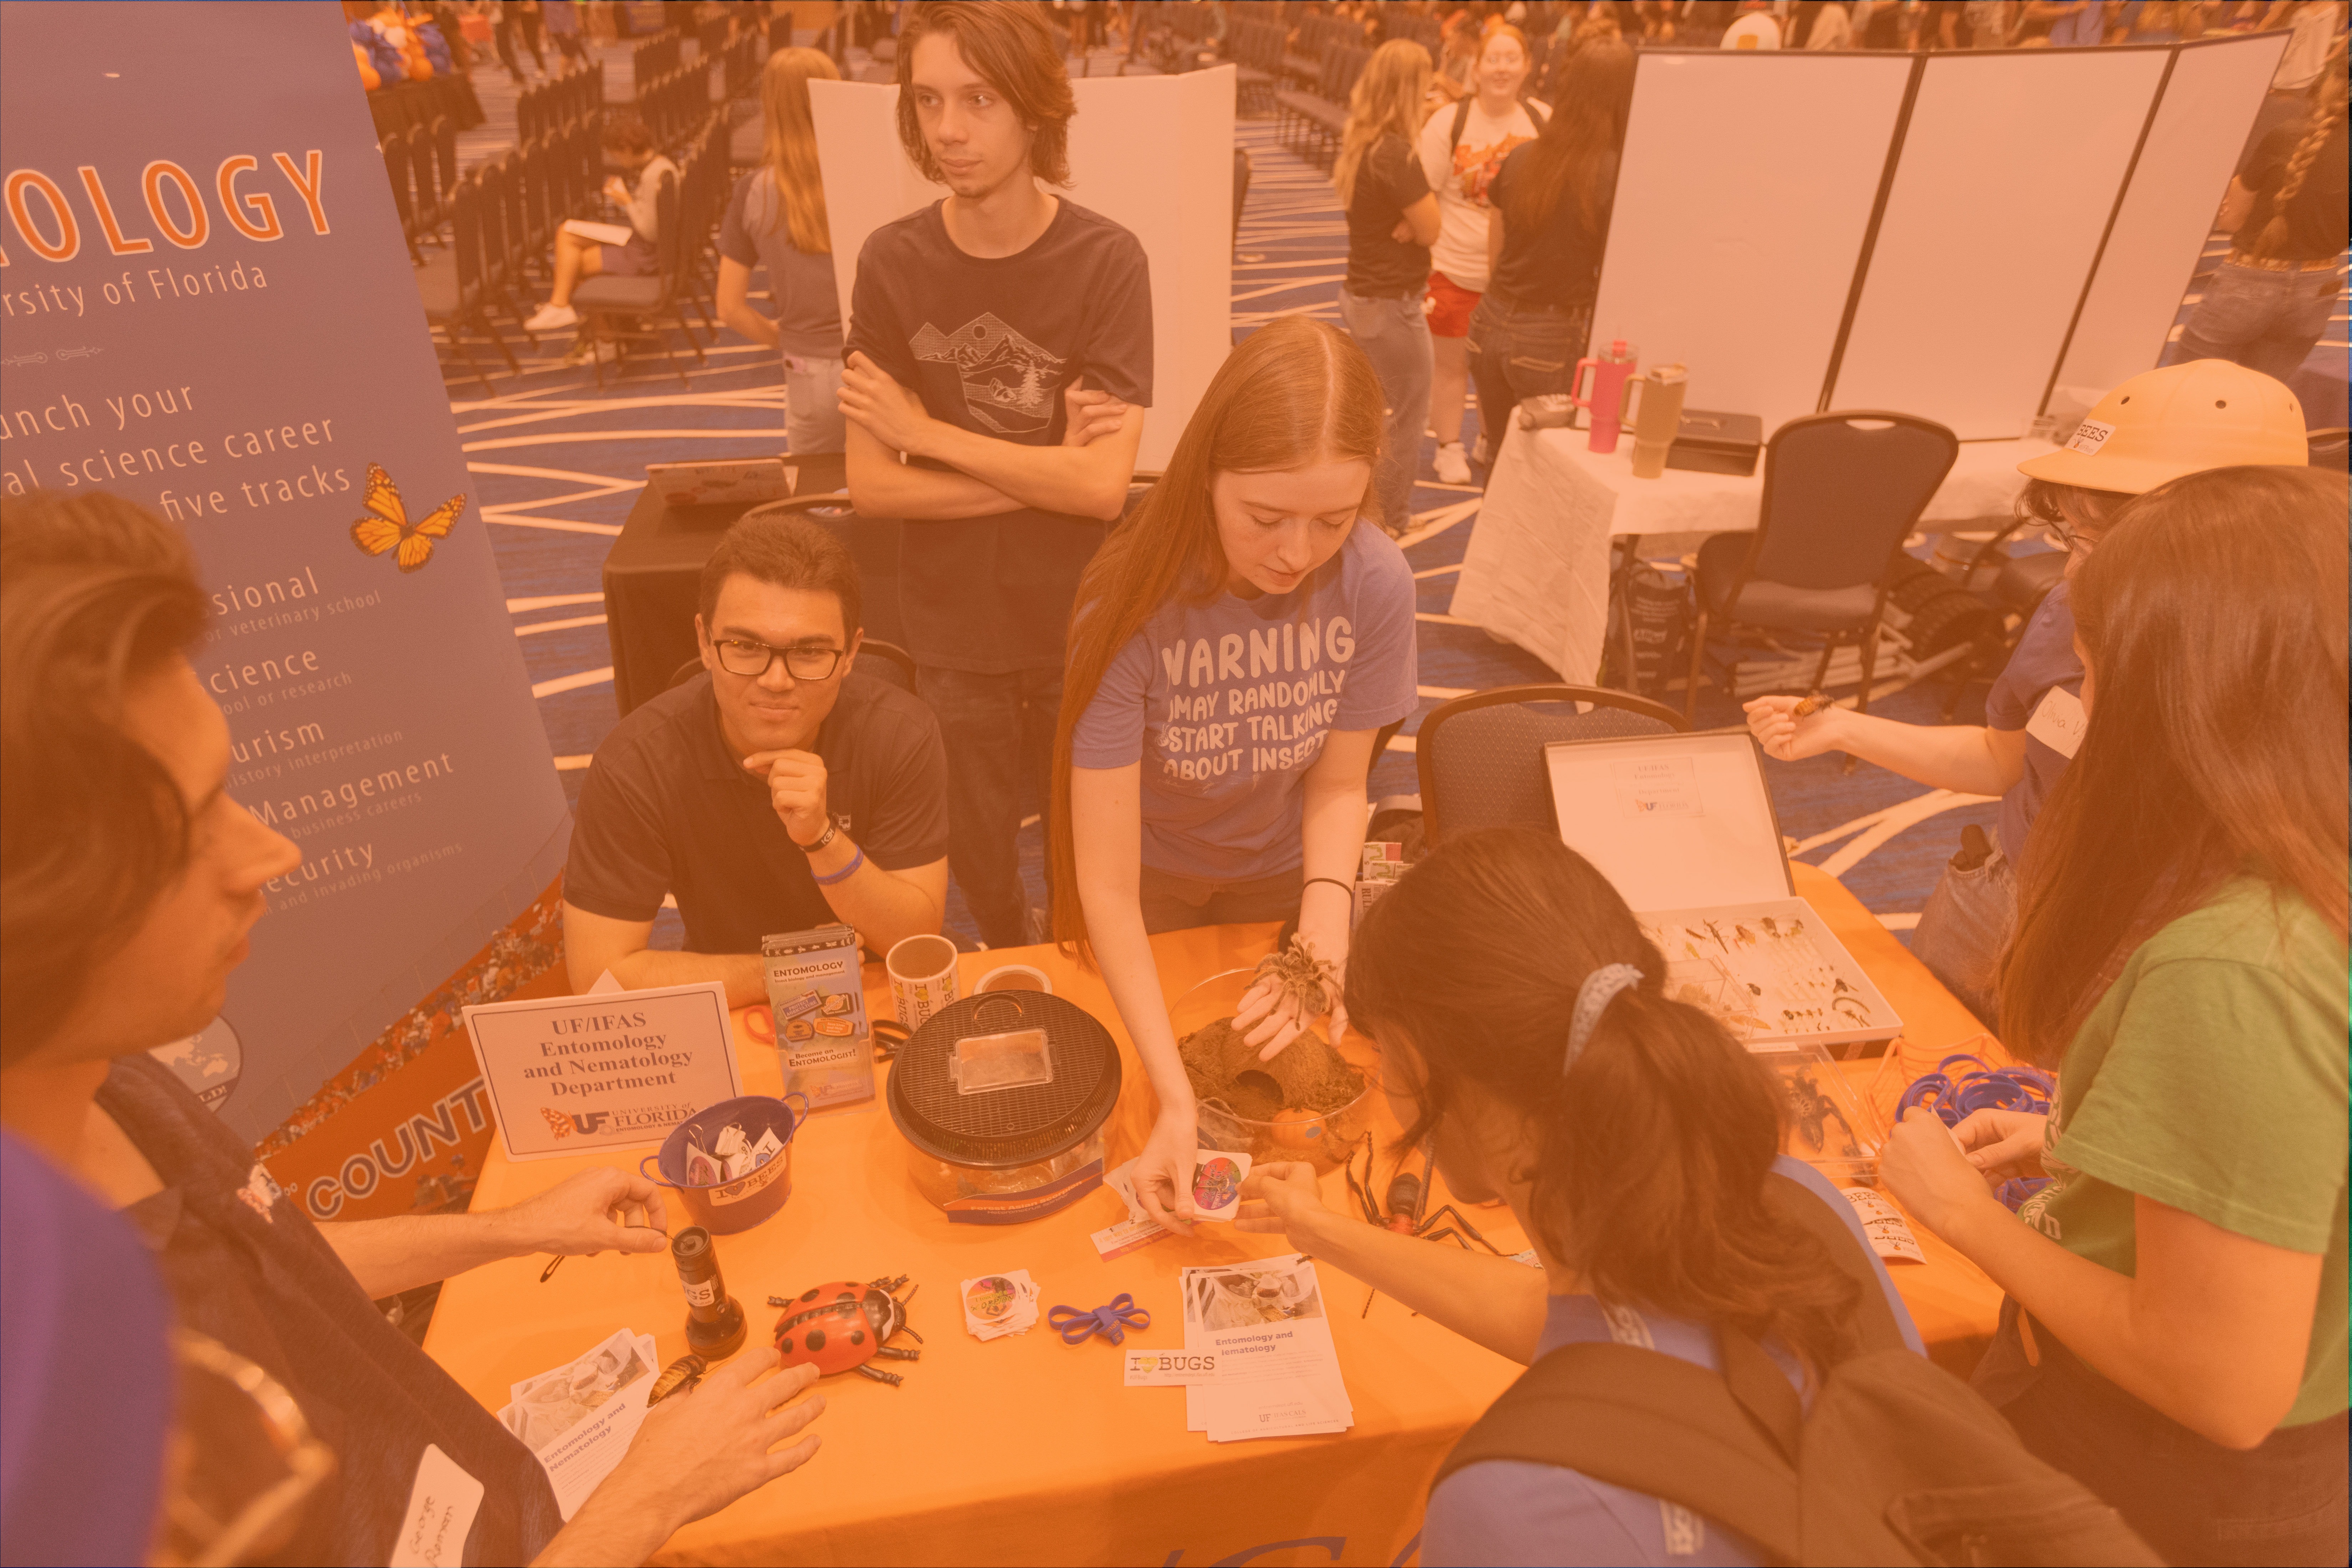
1111	1322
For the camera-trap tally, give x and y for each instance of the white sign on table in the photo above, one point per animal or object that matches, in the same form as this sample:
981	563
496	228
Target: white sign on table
576	1075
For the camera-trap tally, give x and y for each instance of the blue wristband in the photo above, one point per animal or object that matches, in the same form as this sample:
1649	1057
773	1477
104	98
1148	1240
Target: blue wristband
845	873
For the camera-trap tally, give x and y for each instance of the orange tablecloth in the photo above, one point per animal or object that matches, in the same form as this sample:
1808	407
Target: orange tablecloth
1029	1450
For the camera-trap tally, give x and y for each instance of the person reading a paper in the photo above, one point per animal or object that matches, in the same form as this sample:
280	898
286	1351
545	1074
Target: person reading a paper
777	791
2157	426
128	882
1235	653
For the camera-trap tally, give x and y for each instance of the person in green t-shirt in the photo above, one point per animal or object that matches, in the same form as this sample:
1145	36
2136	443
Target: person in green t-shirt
2174	1330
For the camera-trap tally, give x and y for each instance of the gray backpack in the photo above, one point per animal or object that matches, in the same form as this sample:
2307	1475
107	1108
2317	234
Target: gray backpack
1898	1461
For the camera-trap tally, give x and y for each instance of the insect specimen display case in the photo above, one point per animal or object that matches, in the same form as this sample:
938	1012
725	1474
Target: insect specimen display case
1683	828
1687	833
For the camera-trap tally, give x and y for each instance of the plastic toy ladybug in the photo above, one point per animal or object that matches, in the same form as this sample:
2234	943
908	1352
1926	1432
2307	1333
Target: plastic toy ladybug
841	1327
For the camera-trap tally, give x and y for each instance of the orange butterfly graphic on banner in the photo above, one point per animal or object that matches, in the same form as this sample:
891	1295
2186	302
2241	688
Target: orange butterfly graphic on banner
388	530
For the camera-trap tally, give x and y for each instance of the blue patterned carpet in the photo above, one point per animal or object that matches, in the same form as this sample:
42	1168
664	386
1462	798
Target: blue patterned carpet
560	463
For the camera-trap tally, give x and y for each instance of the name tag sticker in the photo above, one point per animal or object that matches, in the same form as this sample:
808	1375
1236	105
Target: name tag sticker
1169	1369
2089	437
441	1508
2059	720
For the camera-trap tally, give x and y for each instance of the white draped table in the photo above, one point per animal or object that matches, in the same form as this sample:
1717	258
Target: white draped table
1536	569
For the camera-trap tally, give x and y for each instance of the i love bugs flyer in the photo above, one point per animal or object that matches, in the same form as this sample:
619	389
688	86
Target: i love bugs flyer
206	306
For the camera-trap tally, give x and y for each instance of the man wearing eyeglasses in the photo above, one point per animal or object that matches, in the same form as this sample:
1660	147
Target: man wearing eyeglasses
774	791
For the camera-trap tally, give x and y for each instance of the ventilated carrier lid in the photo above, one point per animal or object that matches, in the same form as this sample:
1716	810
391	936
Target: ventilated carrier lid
1004	1127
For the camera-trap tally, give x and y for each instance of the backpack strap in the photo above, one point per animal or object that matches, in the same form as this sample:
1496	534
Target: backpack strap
1723	1444
1651	1422
1535	115
1874	1324
1461	119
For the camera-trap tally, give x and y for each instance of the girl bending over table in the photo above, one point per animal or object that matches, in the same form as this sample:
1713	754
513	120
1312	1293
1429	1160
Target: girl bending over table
1235	650
1523	1031
2174	1334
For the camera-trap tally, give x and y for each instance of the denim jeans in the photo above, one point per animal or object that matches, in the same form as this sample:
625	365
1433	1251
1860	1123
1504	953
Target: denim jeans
812	416
1962	932
2262	319
1519	351
2188	1497
1395	334
999	734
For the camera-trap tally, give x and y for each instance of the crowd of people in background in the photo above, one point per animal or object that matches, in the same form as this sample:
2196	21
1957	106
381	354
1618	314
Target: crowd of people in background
1478	215
2167	928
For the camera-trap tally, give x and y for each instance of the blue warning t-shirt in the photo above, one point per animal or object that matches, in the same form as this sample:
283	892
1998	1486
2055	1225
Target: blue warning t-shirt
1227	703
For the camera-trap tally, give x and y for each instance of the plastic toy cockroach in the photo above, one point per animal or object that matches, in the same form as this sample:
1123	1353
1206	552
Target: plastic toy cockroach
1406	1195
842	1327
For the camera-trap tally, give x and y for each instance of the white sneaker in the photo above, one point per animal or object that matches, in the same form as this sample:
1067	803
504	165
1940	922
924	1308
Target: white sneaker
552	318
1480	455
1453	467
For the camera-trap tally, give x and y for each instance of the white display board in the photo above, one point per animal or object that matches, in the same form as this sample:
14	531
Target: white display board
2192	145
1735	254
2010	165
1152	154
1948	235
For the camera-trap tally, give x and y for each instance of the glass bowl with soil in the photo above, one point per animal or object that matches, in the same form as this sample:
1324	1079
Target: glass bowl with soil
1311	1102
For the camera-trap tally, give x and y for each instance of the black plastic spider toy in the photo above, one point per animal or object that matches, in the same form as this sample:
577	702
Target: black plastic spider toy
1406	1195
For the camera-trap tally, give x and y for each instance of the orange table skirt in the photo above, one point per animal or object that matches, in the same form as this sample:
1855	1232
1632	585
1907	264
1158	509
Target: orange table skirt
1028	1450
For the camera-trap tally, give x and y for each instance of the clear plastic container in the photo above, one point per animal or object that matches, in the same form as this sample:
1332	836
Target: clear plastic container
1326	1139
986	1195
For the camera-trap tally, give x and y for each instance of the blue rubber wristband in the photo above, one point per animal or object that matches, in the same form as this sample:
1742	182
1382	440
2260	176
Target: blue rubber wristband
845	873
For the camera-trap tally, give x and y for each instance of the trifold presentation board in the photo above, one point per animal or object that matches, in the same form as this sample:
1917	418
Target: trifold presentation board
1974	238
1152	154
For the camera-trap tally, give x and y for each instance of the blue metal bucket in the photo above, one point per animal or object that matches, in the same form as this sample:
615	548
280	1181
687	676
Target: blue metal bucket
724	1207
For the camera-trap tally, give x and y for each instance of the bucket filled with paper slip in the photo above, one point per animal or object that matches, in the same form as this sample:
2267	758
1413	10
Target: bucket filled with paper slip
731	1164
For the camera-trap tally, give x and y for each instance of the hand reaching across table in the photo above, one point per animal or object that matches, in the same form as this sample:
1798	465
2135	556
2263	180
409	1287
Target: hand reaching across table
694	1453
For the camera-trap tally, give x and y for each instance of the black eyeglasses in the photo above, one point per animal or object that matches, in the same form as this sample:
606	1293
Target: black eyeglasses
742	655
2070	540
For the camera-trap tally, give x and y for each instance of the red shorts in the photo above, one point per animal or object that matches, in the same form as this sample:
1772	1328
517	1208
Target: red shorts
1449	306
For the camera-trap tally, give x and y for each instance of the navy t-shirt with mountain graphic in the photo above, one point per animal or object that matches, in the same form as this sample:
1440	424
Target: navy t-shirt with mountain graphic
989	344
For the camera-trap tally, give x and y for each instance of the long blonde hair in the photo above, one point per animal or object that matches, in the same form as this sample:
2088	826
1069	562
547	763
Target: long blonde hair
1387	98
1295	390
2328	94
790	150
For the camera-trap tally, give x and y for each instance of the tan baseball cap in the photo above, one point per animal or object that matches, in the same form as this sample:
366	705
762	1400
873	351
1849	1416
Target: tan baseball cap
2182	419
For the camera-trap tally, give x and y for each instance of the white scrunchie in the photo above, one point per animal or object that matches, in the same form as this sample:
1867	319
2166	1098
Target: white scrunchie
1592	999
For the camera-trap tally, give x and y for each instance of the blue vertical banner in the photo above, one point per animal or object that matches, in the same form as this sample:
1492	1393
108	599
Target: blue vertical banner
206	306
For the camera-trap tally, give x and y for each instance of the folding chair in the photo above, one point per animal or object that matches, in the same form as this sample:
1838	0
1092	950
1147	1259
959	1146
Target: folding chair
450	286
600	300
1481	756
1841	491
403	200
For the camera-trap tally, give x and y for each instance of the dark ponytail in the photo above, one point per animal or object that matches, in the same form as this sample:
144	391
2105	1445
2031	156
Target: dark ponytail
1651	1153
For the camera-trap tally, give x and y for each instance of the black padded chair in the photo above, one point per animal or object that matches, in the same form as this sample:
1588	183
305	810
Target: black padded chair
1481	756
1841	491
451	285
1241	188
648	301
873	541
